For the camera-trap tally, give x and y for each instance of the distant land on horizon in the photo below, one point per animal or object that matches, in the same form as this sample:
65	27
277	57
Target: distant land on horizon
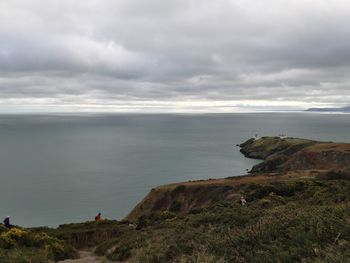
342	109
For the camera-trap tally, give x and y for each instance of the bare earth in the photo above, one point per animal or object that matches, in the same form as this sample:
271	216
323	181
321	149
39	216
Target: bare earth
86	256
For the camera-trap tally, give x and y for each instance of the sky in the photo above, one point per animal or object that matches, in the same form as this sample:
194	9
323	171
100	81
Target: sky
173	55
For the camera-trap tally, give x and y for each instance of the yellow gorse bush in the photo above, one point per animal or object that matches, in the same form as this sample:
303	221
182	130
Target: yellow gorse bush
15	233
10	238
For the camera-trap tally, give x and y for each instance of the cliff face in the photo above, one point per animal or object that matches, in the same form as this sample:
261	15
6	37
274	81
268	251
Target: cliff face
181	198
291	154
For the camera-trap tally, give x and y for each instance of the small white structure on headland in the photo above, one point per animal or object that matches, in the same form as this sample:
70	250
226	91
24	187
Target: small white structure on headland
256	137
282	136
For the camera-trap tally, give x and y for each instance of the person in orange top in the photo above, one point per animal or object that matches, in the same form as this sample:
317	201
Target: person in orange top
98	217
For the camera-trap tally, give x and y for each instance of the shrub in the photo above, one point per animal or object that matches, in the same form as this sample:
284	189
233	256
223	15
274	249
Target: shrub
12	238
121	252
60	251
337	174
175	206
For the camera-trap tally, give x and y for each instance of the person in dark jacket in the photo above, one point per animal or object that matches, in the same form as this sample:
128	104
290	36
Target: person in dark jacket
7	222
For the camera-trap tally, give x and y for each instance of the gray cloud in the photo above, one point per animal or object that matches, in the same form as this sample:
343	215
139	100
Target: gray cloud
179	55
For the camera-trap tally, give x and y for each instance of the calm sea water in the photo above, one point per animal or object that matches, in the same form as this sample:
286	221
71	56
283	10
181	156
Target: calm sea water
62	168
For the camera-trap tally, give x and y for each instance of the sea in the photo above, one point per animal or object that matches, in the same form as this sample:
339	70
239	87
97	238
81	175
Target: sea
64	168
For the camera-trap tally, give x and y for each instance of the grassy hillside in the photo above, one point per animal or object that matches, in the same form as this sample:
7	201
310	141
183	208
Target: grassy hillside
301	219
265	147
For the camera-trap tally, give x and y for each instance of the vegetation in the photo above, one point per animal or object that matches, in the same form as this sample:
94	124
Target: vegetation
306	220
267	146
20	245
295	220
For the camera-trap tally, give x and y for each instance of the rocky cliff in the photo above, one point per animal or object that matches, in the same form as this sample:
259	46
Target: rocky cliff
293	154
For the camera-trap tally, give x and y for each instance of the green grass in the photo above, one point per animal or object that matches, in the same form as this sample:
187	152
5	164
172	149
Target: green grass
273	144
292	221
284	222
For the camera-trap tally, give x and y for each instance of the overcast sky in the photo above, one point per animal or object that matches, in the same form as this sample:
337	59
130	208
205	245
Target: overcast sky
173	55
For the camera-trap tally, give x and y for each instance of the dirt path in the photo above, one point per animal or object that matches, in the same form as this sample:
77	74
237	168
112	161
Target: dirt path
85	257
245	179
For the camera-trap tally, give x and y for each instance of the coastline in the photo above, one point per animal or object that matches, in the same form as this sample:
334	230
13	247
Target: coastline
294	175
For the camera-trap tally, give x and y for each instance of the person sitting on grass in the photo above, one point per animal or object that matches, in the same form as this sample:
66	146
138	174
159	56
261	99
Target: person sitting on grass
98	217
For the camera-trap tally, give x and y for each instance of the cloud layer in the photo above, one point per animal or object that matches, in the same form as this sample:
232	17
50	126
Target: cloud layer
173	56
